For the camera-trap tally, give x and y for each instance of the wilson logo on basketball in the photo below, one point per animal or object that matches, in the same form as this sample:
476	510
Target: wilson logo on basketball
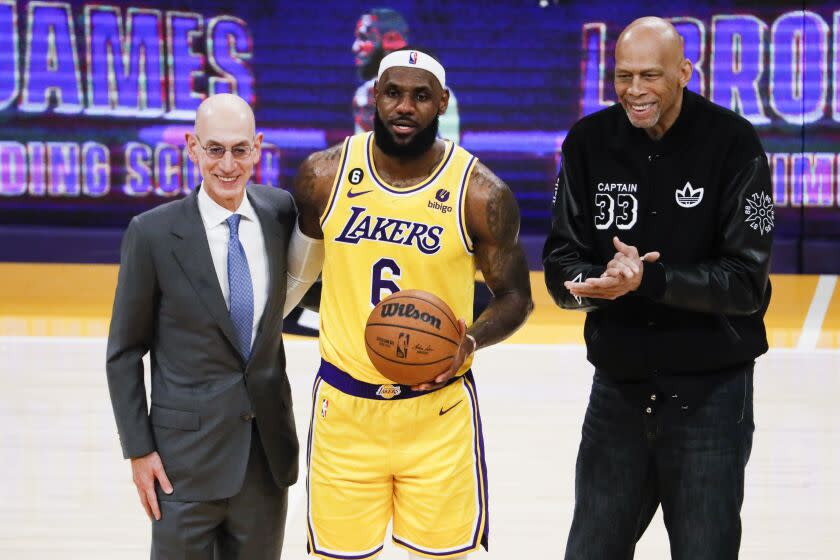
409	312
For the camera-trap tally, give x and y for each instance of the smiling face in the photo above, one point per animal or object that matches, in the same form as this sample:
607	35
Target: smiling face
224	120
650	74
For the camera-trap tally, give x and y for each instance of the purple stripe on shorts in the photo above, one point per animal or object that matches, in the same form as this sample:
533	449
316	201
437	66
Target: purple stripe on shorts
470	381
430	553
352	557
309	528
481	471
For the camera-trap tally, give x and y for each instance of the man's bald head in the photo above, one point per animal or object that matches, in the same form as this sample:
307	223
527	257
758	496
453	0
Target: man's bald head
650	73
227	108
655	33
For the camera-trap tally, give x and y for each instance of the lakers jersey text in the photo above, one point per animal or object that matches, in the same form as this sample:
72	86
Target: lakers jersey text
379	239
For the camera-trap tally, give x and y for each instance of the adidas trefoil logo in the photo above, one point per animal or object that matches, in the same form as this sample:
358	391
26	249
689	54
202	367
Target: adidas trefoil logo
688	196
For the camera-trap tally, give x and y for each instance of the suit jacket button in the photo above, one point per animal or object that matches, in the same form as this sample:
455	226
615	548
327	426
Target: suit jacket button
247	416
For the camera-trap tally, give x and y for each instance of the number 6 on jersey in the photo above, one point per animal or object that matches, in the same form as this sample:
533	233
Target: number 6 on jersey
384	272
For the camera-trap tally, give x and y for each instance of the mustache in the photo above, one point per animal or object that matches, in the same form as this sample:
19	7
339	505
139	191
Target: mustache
421	143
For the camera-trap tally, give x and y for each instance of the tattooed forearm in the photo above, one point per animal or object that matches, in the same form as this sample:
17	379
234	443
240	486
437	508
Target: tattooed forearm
506	274
493	221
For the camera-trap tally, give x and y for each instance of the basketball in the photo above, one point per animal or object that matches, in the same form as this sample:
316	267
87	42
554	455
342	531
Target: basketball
412	337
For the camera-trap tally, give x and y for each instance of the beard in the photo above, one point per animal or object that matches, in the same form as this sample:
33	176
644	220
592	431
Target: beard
649	122
416	147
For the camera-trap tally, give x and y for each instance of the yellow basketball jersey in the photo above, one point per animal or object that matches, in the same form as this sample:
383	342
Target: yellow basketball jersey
379	239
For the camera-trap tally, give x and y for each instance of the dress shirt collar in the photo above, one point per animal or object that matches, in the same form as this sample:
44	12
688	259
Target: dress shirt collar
212	214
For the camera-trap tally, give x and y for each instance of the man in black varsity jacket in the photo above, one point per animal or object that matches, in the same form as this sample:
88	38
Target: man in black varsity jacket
661	232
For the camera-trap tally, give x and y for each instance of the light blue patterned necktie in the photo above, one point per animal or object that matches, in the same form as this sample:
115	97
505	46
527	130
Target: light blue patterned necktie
241	288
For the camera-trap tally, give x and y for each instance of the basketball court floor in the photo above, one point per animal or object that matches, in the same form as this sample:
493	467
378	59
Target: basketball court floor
68	494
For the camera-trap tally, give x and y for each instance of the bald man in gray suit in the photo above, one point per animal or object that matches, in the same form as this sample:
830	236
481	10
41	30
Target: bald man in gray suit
201	287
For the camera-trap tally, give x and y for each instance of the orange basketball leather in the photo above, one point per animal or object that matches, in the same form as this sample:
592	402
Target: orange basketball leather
411	337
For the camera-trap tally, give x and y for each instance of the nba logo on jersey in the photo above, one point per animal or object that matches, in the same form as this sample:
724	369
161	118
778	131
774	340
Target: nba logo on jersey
325	404
412	57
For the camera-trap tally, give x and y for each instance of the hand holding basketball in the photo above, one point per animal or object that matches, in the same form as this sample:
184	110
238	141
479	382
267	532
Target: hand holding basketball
413	337
467	347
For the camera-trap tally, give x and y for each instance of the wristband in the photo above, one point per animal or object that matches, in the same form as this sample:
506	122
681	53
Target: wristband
475	344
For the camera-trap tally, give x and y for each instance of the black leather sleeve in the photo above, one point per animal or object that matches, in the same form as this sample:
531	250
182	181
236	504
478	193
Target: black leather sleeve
568	251
733	283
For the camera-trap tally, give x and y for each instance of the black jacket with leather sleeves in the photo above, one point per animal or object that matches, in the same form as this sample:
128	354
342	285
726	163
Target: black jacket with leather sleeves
701	196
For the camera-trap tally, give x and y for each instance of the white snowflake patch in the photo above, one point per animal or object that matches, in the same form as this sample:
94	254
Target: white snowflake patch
760	213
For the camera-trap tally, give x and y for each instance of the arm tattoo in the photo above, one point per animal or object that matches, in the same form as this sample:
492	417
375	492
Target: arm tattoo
312	185
502	216
500	259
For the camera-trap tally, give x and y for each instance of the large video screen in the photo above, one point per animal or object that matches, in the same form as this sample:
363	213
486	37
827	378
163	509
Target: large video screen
95	98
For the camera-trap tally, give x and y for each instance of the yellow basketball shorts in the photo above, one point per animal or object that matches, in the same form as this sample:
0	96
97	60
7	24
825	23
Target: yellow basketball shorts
378	453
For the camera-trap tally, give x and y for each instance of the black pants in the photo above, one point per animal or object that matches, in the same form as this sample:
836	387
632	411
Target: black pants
247	526
636	454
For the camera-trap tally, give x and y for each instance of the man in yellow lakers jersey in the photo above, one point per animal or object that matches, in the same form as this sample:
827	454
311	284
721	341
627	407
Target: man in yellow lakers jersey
398	208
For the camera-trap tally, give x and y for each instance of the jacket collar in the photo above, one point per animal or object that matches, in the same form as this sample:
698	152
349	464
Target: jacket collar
193	255
674	138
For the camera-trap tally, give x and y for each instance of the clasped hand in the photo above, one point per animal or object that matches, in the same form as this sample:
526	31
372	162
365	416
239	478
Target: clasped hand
623	274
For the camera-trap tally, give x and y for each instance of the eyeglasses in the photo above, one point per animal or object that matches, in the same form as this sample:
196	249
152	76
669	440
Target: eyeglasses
218	152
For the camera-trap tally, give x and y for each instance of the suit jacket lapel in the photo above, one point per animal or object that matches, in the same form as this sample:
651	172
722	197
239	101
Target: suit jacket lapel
276	251
192	252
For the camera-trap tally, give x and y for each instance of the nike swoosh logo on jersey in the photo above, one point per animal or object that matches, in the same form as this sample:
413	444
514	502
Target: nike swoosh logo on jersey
442	411
351	194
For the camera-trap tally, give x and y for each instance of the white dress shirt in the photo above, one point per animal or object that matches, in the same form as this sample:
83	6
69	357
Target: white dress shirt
251	237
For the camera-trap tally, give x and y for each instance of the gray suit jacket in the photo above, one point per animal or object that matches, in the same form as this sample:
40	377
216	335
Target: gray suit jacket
204	393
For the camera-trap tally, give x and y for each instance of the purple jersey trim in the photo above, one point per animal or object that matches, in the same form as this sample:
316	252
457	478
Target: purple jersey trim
462	206
423	184
338	180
